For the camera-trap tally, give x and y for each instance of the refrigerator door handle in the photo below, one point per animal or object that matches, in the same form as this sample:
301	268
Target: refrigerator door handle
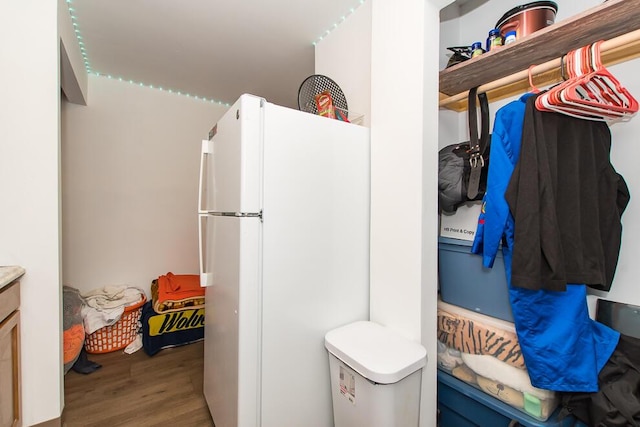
206	278
206	150
234	214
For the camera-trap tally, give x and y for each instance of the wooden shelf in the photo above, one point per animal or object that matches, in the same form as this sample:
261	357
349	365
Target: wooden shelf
610	19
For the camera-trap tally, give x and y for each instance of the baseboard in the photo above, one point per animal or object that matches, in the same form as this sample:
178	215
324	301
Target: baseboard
56	422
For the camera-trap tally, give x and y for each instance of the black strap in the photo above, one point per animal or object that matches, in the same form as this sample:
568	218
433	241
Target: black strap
477	145
473	121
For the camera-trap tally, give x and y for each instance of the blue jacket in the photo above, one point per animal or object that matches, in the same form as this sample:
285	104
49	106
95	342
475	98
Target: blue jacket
564	349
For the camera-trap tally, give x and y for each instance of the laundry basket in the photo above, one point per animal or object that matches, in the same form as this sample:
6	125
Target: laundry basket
119	335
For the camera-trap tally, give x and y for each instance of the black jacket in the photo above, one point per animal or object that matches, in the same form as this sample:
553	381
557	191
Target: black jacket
567	200
617	404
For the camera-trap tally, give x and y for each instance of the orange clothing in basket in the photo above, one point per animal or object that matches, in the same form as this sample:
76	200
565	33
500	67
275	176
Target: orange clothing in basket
73	339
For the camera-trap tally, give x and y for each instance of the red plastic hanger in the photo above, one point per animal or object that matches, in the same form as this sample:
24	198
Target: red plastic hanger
584	95
599	90
591	92
534	89
552	101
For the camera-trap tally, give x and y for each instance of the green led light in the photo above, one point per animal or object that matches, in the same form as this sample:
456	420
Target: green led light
162	89
85	57
336	24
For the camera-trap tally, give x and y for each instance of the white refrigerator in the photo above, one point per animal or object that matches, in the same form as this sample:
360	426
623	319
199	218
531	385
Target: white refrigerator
284	255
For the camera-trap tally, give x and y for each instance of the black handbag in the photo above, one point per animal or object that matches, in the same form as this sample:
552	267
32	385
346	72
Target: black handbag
462	168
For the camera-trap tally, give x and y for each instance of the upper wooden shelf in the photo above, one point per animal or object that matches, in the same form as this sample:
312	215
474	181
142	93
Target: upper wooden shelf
610	19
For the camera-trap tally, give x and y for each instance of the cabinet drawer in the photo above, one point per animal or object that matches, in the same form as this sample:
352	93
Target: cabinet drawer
9	299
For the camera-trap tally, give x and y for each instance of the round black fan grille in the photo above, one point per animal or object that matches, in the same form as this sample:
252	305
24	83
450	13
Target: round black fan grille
316	84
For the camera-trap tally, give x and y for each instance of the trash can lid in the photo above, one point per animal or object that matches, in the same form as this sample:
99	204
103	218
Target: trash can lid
375	351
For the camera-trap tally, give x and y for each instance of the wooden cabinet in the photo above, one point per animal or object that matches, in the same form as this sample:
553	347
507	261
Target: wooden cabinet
10	355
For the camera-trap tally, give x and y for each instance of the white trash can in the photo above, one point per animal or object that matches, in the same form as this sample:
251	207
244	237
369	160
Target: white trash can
375	376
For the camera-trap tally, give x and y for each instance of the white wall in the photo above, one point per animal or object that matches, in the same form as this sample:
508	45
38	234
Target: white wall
404	164
345	56
429	233
130	165
624	152
473	26
73	76
29	185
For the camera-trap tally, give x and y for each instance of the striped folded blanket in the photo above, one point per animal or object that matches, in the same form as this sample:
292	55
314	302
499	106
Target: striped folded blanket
173	292
473	337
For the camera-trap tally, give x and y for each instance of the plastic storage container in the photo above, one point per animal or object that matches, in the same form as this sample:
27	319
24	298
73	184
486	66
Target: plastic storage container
375	376
484	352
465	282
461	405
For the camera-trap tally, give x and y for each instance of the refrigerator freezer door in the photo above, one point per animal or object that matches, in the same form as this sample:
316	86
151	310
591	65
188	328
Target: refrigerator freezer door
230	167
231	345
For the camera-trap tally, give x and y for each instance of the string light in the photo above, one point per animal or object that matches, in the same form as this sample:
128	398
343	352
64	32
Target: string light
90	71
87	63
336	24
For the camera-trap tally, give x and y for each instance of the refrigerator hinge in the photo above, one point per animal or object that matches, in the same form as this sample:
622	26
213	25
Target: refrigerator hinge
207	146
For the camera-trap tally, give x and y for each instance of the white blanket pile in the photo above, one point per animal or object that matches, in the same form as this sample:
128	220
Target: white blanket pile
104	306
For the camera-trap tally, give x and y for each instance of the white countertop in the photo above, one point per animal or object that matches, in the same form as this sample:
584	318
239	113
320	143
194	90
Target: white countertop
9	273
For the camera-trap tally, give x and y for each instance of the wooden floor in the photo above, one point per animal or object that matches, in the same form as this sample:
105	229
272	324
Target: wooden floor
138	390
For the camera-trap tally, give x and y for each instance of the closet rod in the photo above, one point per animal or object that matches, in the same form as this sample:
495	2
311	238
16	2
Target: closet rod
614	51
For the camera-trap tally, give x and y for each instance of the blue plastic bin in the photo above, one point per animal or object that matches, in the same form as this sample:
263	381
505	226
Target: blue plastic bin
465	282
